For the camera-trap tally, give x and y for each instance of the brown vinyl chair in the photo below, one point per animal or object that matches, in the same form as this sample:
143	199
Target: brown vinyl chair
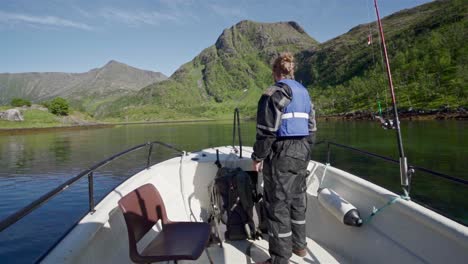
142	209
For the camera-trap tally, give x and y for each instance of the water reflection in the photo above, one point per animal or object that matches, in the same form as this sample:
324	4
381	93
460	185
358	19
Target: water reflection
61	148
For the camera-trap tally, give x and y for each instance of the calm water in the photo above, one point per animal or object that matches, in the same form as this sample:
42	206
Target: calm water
33	164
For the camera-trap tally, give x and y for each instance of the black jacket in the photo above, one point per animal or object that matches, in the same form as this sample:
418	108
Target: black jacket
270	108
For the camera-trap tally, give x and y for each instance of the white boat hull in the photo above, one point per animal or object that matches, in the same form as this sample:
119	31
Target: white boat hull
403	232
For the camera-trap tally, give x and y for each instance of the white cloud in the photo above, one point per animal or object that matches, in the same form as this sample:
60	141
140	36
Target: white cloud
15	18
226	11
138	17
177	3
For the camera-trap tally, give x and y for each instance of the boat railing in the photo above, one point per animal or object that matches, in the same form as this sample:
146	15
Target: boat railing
236	125
388	159
10	220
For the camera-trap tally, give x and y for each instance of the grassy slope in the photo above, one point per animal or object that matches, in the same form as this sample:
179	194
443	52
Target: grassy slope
428	55
34	118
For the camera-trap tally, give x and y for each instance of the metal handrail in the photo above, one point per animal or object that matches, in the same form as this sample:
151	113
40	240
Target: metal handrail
236	124
10	220
434	173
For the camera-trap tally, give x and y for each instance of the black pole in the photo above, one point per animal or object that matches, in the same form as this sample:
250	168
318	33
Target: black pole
239	132
403	161
217	162
236	124
234	131
148	162
91	192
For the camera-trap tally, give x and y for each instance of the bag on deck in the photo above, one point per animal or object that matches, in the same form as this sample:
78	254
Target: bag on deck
237	191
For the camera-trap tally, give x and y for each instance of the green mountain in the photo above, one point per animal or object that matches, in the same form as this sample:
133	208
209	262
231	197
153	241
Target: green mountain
85	90
428	52
233	72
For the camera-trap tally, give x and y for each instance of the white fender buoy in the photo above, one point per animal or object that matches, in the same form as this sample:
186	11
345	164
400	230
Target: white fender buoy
344	211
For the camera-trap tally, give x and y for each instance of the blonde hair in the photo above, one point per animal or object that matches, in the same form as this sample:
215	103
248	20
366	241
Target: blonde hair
283	66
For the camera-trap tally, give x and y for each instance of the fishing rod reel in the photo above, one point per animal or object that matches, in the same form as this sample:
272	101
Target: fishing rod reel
386	123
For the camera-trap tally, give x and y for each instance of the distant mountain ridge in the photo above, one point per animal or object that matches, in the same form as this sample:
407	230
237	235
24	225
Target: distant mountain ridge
114	77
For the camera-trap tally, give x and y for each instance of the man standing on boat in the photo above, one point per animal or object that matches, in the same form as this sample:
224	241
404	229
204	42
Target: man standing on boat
285	130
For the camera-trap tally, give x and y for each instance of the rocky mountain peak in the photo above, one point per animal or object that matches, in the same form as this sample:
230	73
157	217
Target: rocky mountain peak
251	35
114	63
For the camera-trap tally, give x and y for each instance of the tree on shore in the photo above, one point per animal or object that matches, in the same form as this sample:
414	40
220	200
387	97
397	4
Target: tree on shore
59	106
19	102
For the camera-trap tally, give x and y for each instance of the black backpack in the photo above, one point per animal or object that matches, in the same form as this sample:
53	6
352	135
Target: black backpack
237	196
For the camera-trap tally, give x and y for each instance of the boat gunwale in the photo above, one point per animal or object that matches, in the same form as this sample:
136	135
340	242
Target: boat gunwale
433	219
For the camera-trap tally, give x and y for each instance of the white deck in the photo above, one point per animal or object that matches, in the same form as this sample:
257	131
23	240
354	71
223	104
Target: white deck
247	251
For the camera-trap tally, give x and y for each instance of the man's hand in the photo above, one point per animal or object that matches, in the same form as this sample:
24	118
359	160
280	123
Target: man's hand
257	166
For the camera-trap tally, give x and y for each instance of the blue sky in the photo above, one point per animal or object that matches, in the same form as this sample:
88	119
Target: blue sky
157	35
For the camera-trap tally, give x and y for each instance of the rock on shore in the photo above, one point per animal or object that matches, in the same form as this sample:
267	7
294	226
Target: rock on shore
11	115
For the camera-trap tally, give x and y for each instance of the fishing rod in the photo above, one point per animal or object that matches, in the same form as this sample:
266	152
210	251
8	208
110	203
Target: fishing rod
404	173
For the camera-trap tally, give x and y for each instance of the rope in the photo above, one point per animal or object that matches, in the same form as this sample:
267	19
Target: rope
231	160
378	210
310	177
181	179
370	34
323	175
213	199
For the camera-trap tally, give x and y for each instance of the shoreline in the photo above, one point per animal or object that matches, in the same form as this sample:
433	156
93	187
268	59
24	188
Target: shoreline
354	116
410	116
25	130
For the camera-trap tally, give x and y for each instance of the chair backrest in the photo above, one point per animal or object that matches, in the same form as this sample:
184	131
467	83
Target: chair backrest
142	209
